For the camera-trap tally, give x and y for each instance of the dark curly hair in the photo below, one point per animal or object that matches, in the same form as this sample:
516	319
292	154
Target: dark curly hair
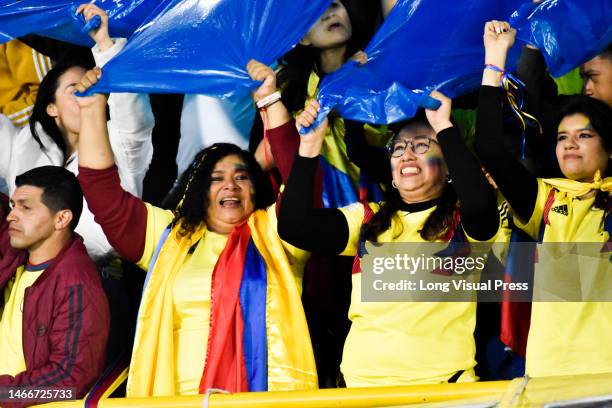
193	186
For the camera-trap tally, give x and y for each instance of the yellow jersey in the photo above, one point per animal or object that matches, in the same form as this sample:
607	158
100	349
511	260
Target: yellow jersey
12	360
568	338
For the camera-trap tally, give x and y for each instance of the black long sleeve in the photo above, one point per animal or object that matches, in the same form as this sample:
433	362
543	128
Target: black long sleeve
516	183
299	223
479	214
372	161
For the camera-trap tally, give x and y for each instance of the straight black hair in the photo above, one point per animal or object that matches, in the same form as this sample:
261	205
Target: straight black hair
600	116
45	97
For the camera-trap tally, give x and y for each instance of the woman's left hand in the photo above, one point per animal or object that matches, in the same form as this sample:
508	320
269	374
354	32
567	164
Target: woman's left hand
261	72
88	80
311	142
439	119
100	35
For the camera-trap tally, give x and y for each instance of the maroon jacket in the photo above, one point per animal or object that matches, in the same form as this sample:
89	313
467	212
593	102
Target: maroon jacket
65	319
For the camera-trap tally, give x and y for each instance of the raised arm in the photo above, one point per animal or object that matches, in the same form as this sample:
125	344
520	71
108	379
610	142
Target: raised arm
282	144
122	216
299	223
131	118
283	139
516	183
479	215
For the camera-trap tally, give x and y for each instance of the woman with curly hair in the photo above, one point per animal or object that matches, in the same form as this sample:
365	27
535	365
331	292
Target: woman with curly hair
221	305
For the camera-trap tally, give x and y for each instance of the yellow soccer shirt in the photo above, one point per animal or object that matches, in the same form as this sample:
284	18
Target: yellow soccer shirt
567	338
12	360
404	343
192	295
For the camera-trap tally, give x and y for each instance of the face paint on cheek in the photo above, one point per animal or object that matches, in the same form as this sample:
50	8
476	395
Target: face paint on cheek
434	161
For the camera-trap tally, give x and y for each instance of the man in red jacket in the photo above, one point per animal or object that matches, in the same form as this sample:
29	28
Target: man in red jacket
54	316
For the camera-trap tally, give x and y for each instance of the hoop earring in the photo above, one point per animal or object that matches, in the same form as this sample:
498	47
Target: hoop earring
393	184
449	179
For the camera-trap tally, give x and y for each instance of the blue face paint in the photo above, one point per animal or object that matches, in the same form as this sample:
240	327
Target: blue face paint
434	161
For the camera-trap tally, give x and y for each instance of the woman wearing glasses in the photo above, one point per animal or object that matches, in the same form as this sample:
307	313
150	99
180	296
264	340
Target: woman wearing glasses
438	193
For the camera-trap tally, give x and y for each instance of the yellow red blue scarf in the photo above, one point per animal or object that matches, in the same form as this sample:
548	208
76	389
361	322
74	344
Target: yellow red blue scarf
258	338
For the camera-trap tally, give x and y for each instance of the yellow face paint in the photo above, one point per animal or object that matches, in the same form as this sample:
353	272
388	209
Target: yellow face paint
581	122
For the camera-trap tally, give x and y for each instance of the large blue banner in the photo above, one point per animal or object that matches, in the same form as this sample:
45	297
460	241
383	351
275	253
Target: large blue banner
422	45
433	44
203	46
568	32
58	18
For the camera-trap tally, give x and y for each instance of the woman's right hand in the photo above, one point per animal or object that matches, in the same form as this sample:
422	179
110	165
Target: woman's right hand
498	37
311	142
261	72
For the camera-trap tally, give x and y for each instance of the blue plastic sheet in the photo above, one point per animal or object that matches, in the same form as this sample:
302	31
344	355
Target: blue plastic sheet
567	32
203	46
58	19
422	45
437	44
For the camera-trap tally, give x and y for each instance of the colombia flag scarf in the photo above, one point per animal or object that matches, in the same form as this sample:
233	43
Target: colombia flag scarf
258	338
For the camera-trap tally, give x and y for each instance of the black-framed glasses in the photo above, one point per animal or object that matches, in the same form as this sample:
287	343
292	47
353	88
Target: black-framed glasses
418	145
